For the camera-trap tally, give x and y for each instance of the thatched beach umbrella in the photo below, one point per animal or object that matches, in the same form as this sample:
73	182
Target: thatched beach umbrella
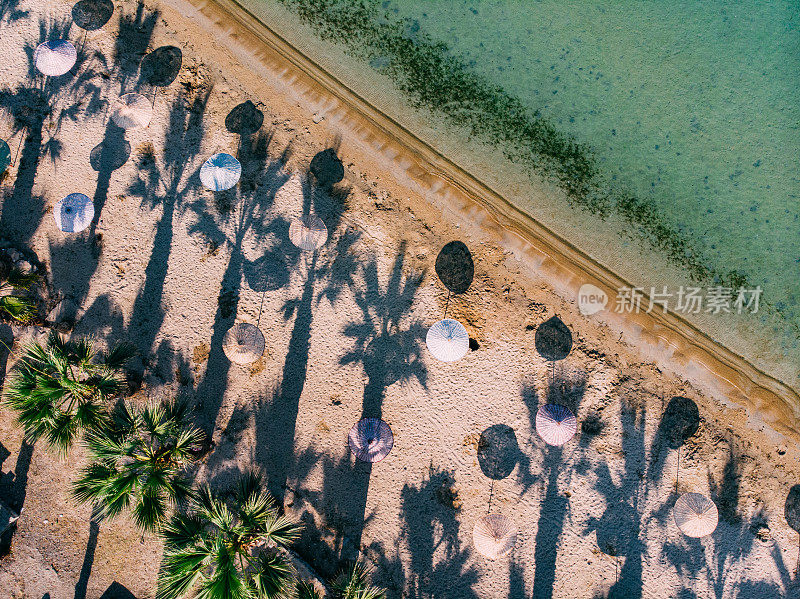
447	340
555	424
244	119
370	439
132	111
308	232
91	15
55	57
220	172
695	514
454	267
243	343
494	535
74	213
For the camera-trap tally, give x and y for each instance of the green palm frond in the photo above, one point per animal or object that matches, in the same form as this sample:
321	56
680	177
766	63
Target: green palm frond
59	391
353	583
119	355
19	308
216	549
273	576
306	590
139	459
19	280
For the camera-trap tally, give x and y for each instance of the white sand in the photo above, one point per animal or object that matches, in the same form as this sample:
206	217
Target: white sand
345	333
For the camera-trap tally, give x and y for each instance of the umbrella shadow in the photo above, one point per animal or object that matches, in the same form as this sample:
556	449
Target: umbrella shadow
109	155
88	561
679	422
13	490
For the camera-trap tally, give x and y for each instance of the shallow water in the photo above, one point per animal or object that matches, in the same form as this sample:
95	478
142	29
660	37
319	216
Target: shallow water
695	105
692	107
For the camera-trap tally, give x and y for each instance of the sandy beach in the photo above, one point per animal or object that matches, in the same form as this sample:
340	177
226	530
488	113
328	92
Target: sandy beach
171	267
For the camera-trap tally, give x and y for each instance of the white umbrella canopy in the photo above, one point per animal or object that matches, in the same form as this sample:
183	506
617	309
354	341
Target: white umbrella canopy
132	111
696	515
494	535
555	424
370	439
447	340
55	57
74	213
243	343
220	172
308	232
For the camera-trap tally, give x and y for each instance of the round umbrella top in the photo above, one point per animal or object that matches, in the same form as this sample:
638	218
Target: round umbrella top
74	213
494	535
243	343
220	172
92	14
695	514
448	340
555	424
370	439
244	119
132	111
308	232
55	57
5	155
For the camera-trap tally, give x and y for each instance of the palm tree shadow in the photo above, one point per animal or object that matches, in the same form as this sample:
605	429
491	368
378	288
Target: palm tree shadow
10	12
554	507
130	45
438	564
247	216
167	184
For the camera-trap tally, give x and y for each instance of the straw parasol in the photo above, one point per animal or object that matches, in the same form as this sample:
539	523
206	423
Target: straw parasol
243	343
220	172
695	514
55	57
132	111
494	535
448	340
74	213
370	439
308	232
555	424
91	15
244	119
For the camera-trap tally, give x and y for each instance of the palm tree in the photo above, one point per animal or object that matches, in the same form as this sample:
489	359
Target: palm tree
306	590
19	308
353	583
62	387
228	550
139	460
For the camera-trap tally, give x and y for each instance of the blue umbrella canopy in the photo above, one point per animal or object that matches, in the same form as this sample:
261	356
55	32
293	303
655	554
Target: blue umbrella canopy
555	424
74	213
448	340
370	439
220	172
55	57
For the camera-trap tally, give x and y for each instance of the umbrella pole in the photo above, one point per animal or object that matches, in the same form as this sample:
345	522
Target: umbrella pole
678	470
446	304
261	307
491	492
19	147
83	41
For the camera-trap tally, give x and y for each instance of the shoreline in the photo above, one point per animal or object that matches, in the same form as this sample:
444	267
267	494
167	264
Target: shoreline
672	342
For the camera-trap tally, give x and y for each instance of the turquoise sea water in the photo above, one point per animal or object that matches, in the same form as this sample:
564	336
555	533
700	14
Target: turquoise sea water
691	106
695	105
